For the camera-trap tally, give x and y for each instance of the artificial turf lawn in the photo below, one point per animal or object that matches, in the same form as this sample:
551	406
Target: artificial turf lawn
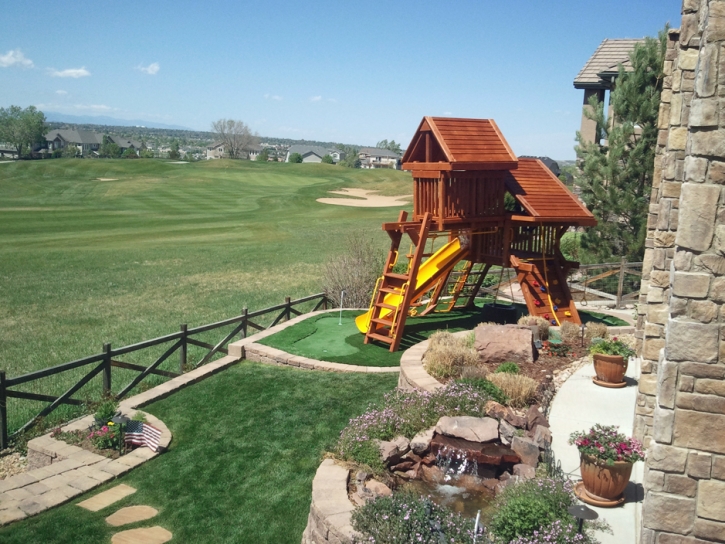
246	445
322	337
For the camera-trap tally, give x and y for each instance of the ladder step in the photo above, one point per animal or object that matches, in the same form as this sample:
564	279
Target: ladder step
380	338
382	321
391	290
396	276
386	306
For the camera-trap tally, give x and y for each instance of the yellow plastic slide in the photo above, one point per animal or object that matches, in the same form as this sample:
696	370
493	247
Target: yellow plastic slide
446	257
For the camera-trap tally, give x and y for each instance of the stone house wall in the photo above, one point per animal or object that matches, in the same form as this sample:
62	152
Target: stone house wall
681	404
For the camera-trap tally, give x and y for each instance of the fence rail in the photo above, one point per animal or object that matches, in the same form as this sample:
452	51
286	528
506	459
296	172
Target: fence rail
104	363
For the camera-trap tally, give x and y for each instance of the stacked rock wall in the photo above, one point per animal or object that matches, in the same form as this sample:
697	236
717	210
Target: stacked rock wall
681	405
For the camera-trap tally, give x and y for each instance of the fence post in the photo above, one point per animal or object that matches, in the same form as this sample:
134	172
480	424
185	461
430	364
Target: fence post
620	287
3	413
182	349
324	303
106	370
245	311
287	311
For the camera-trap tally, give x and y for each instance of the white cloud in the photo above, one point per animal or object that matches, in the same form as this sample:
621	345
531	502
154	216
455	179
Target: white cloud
61	91
70	72
15	57
315	98
272	97
152	69
447	113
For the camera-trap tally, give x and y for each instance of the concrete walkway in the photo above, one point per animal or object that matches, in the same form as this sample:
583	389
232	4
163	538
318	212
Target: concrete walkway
577	406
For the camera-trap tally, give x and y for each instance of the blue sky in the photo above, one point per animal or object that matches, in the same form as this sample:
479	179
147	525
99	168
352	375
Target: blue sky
334	71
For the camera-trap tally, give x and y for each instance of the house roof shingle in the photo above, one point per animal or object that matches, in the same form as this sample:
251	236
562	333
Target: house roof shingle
76	136
606	59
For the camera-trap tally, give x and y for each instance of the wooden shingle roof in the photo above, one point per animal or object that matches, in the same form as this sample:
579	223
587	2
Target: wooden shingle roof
606	59
544	197
444	143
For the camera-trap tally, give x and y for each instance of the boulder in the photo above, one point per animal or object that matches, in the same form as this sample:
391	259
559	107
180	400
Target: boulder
474	429
517	421
402	467
526	449
534	417
542	437
525	472
421	441
392	451
507	432
379	489
503	343
495	410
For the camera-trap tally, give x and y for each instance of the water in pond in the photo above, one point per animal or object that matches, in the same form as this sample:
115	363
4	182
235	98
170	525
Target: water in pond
458	499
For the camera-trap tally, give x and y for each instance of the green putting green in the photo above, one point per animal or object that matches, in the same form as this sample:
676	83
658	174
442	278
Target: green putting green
334	337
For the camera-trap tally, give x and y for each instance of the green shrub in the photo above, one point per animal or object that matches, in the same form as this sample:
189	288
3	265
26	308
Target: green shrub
406	517
530	505
482	384
612	347
560	350
106	411
508	368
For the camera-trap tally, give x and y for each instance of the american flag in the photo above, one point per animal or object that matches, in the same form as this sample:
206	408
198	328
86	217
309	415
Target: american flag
142	434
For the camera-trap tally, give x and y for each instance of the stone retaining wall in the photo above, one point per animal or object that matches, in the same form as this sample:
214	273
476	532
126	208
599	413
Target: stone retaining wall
331	509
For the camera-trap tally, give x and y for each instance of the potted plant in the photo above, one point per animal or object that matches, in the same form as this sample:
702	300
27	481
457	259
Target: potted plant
610	362
606	457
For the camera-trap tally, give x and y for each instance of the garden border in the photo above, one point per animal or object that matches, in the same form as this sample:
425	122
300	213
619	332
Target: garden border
329	521
249	349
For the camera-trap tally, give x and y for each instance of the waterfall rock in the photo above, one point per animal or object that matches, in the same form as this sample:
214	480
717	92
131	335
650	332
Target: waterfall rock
391	451
507	431
534	417
526	449
483	454
525	472
378	489
421	441
542	437
474	429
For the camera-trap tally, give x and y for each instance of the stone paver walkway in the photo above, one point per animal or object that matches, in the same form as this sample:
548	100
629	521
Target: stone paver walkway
577	406
107	498
131	514
145	535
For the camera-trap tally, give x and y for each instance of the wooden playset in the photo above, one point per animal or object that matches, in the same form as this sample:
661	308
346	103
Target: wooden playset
462	170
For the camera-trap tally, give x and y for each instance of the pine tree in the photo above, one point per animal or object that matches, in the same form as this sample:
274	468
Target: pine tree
616	178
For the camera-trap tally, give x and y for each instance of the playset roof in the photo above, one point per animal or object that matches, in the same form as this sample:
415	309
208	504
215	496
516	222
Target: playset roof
443	143
544	196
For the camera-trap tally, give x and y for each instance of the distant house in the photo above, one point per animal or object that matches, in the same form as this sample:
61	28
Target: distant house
215	151
125	144
377	157
86	141
313	153
254	151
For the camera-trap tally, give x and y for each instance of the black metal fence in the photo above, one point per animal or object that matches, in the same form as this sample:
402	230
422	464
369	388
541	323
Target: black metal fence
103	363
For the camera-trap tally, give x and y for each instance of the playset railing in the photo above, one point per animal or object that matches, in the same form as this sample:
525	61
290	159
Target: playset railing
103	363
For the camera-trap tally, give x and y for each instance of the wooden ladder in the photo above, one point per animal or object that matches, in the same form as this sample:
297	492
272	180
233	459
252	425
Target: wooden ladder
467	285
389	329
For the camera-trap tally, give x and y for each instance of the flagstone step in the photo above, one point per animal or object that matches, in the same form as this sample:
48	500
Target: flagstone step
107	498
145	535
131	514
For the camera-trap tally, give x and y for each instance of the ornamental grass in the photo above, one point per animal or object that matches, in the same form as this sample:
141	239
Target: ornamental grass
520	390
447	355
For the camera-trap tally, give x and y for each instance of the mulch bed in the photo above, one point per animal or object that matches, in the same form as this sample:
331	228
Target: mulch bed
80	439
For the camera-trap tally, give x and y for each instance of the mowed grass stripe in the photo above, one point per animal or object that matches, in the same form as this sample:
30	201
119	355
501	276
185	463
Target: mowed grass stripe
88	262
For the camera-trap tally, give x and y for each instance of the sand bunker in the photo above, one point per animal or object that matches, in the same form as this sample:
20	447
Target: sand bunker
363	198
107	179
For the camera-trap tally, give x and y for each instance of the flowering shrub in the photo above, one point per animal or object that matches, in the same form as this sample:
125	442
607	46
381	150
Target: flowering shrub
558	532
405	517
406	413
106	437
524	508
604	443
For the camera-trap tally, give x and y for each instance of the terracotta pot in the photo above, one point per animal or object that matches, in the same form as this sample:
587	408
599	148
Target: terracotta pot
603	481
610	368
